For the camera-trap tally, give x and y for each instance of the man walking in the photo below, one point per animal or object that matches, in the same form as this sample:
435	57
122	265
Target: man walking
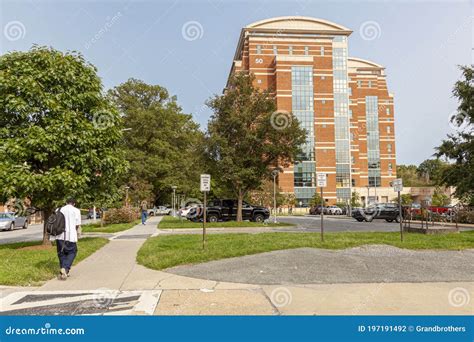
66	243
143	207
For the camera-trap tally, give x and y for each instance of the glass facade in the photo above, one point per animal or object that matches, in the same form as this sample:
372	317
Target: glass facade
373	149
341	124
303	109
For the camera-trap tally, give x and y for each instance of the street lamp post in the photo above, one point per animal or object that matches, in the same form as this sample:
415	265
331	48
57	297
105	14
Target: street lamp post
367	202
275	173
173	200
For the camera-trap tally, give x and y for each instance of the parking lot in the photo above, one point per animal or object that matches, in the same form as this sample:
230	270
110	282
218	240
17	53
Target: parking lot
338	224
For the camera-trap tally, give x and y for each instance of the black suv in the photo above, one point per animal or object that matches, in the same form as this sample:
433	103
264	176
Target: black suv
226	210
387	211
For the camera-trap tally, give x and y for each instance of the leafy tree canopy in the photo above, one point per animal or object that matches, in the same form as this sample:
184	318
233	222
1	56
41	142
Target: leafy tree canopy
244	141
161	142
459	146
59	135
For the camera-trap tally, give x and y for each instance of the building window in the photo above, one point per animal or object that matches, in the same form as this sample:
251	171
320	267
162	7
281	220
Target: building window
350	113
390	166
323	77
353	182
323	101
290	50
259	49
306	50
359	84
389	148
352	160
275	50
370	84
387	111
352	136
322	50
389	129
373	151
302	106
350	91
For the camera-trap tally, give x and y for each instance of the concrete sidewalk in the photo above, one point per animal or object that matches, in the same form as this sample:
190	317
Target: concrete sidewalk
111	265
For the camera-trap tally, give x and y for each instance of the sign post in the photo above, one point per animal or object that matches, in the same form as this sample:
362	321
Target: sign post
398	187
205	187
321	182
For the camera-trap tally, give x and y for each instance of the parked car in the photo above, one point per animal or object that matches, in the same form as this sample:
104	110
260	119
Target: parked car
185	211
387	211
90	214
333	210
440	210
226	210
10	221
316	210
160	210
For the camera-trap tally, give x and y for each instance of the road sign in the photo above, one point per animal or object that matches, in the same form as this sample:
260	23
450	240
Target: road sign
205	182
321	180
397	185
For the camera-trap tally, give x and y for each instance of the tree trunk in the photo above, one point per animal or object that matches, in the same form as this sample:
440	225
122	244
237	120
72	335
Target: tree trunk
240	199
47	212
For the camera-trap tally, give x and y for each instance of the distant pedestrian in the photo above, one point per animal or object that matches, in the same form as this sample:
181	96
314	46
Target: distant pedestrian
144	208
66	243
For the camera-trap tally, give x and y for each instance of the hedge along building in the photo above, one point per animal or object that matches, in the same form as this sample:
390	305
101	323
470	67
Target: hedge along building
342	102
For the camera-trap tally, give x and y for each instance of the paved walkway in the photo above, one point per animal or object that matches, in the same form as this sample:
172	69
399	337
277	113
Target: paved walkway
365	264
110	282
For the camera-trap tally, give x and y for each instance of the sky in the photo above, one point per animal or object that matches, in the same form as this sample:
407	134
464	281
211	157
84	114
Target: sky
188	46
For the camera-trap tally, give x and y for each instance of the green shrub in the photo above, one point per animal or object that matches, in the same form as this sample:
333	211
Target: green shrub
466	216
121	215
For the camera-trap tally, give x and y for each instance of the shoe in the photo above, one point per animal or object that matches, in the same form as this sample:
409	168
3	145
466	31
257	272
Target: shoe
63	274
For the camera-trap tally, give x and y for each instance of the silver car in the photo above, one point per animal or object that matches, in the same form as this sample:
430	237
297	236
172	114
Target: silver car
11	221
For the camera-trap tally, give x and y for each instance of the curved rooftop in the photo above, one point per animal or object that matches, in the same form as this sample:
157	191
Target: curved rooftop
362	63
297	23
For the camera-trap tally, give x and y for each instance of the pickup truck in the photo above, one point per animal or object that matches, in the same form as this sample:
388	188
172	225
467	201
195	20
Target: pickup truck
226	210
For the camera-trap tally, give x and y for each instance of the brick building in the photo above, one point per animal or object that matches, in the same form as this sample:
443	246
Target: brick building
342	102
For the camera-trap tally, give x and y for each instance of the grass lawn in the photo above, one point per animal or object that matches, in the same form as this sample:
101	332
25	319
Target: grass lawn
170	222
33	265
109	228
166	251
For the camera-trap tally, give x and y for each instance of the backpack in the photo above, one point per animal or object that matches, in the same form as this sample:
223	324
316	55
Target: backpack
56	224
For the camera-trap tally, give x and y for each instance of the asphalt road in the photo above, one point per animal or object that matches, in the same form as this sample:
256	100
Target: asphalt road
365	264
34	232
339	224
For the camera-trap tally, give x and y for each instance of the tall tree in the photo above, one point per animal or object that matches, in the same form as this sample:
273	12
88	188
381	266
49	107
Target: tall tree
459	146
59	135
244	141
161	142
431	171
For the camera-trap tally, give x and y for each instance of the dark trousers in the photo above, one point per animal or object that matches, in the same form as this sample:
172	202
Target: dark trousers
67	251
144	216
